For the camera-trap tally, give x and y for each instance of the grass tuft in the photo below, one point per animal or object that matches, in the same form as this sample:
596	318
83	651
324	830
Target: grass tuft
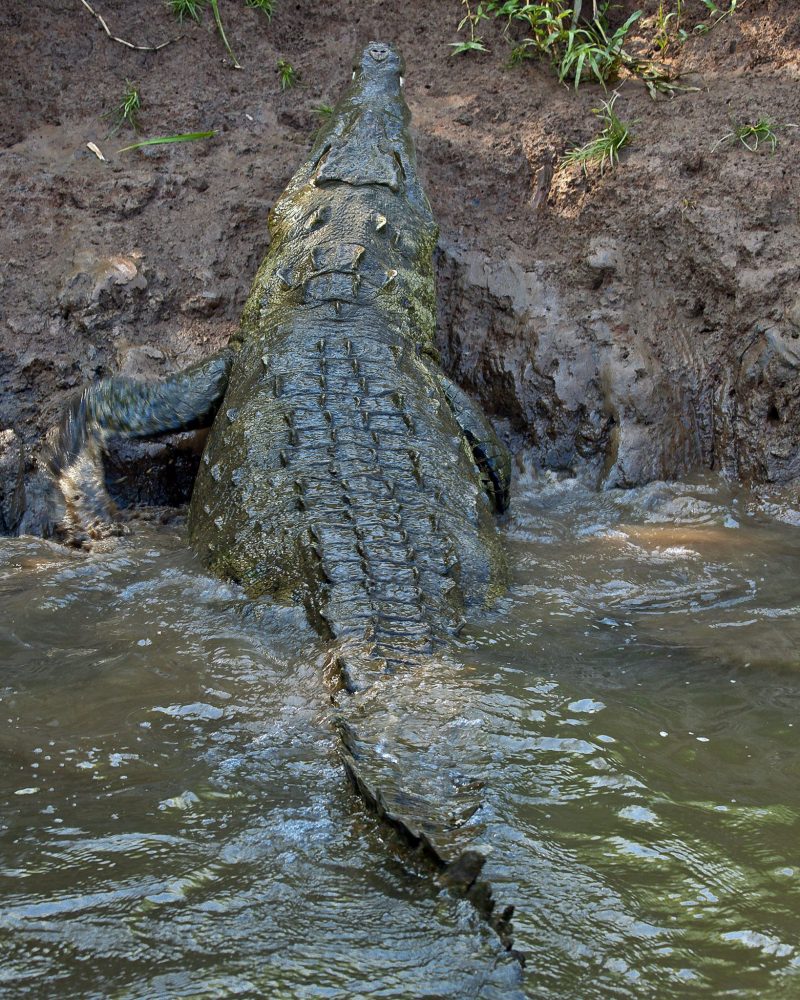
192	9
267	7
183	9
578	50
287	74
126	112
604	149
668	25
323	110
752	135
580	45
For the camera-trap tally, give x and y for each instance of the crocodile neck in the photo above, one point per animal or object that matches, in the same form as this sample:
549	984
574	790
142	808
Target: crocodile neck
341	251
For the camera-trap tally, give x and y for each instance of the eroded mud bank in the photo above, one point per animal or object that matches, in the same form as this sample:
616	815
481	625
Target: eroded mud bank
640	325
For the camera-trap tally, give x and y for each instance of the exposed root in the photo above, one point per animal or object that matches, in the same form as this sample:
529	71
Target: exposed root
122	41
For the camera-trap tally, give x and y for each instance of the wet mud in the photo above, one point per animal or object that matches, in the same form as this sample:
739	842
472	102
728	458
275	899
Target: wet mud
638	325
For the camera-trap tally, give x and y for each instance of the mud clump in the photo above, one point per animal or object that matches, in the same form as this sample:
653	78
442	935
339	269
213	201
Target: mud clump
12	486
638	325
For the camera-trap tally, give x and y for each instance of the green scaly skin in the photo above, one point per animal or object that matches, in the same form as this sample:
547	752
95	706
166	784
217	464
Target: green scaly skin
343	470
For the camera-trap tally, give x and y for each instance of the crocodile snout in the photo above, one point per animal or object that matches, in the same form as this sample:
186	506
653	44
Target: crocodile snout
378	61
378	51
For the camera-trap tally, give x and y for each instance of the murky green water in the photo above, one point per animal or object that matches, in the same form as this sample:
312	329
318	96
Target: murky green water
174	822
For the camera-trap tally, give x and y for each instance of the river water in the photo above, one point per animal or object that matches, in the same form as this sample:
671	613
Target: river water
174	822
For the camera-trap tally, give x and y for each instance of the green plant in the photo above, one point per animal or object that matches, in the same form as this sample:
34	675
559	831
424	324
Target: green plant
717	12
665	21
473	44
127	111
605	147
287	74
186	8
266	6
518	54
752	135
323	110
595	51
551	28
579	48
163	139
221	30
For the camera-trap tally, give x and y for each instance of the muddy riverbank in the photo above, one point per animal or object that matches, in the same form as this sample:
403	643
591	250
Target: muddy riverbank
639	325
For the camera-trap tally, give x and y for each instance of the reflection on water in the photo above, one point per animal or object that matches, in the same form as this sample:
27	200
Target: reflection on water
174	821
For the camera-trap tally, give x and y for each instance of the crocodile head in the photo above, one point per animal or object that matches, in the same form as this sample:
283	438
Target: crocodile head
358	191
367	140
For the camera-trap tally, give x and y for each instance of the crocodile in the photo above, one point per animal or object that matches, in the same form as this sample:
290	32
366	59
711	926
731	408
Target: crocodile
343	469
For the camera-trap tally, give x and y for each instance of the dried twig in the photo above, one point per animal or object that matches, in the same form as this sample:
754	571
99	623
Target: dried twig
130	45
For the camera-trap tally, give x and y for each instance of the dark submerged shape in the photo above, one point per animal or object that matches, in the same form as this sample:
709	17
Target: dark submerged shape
343	469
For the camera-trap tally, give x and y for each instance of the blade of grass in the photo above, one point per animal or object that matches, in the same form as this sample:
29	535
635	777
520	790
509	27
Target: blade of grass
221	30
163	139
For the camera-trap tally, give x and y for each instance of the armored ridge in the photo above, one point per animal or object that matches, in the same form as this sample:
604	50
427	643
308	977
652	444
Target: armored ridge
343	470
338	475
336	420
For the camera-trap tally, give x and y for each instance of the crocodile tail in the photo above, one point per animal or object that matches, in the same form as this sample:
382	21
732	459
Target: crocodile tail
399	738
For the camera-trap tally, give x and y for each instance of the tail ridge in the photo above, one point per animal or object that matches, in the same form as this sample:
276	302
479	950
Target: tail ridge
397	739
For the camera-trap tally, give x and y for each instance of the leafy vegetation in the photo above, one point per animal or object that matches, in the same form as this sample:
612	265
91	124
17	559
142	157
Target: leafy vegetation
580	44
669	20
323	110
578	51
267	7
287	74
752	135
668	25
471	19
604	149
127	111
718	14
186	8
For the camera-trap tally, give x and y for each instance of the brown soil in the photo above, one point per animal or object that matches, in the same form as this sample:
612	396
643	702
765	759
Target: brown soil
636	325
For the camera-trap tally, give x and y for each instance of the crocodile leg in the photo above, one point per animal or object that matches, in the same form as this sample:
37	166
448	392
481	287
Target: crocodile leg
490	454
125	408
